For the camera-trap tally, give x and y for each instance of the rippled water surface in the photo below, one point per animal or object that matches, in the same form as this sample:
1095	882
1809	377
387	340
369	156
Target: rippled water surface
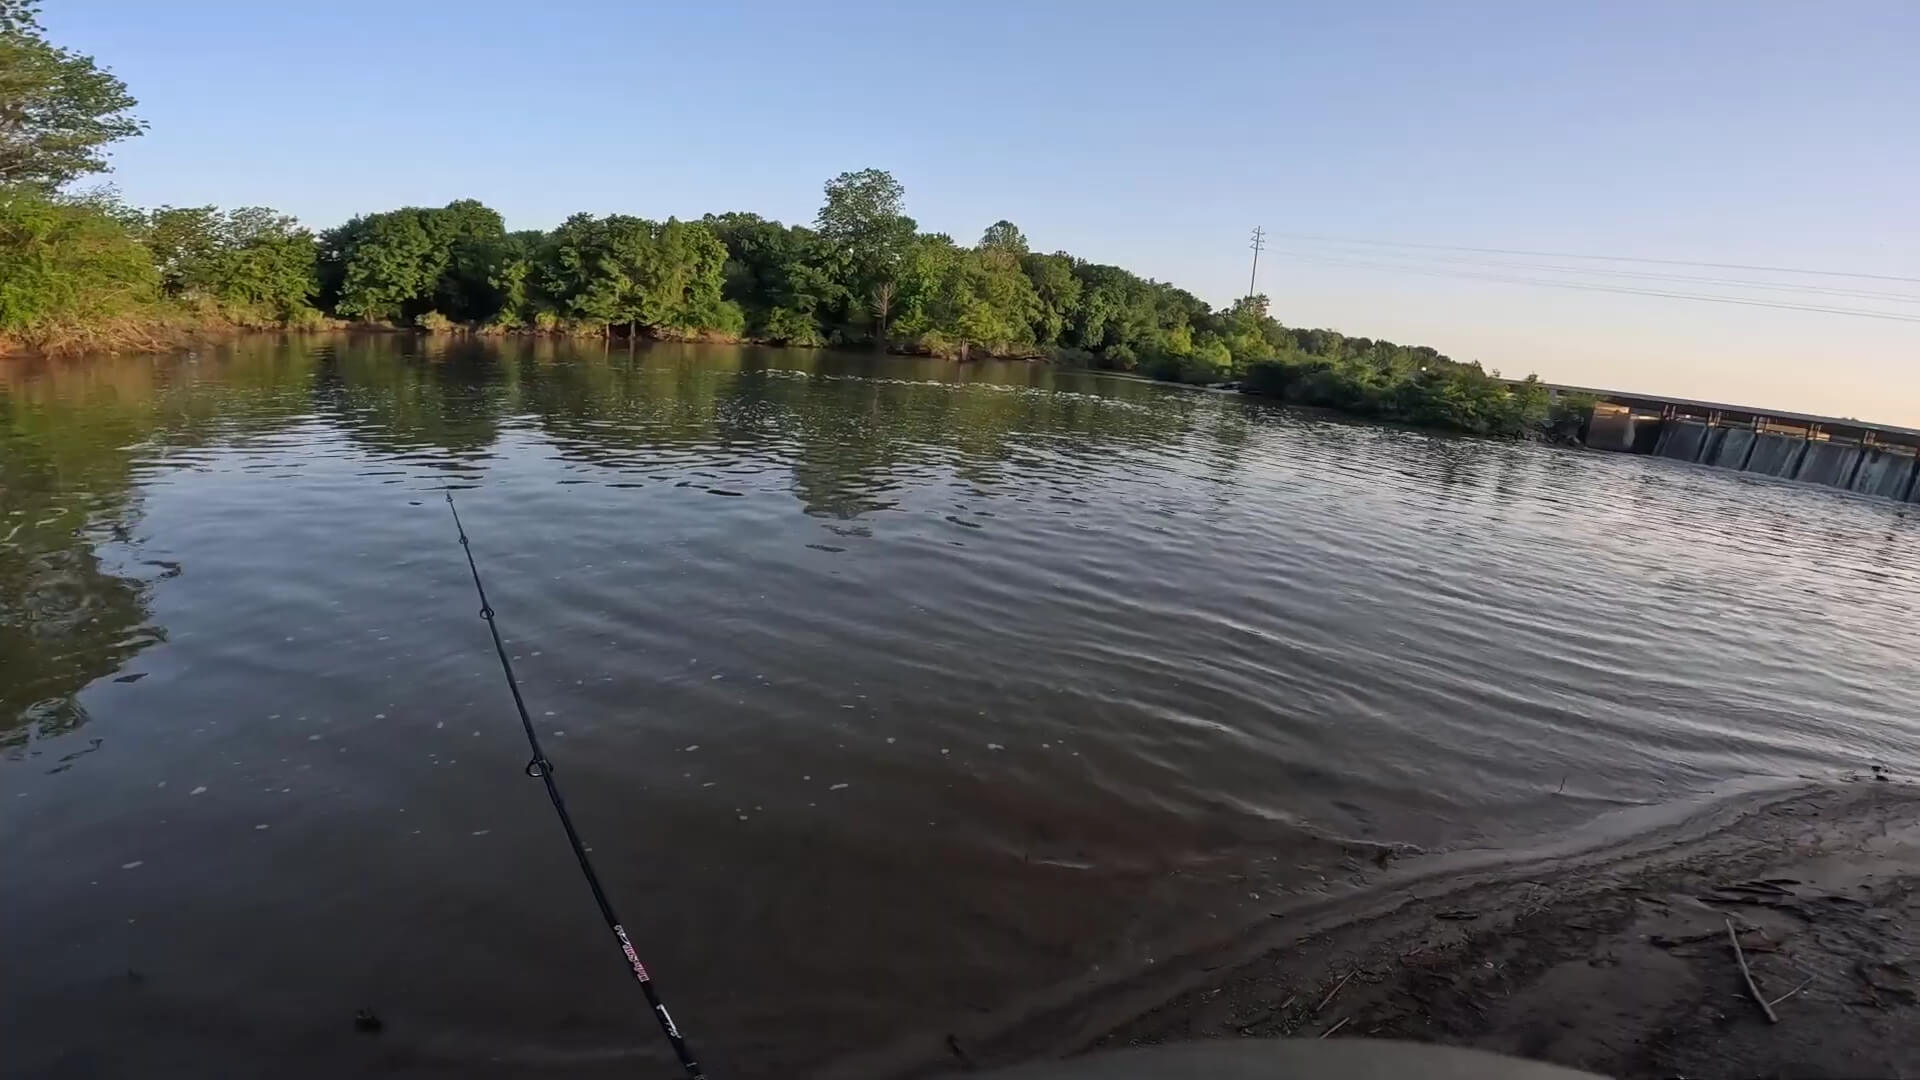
889	693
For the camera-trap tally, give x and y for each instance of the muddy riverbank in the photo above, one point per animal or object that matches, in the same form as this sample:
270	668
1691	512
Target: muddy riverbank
1620	963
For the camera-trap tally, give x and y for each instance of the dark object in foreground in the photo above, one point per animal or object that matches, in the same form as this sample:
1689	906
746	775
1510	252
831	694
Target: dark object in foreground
1270	1059
368	1021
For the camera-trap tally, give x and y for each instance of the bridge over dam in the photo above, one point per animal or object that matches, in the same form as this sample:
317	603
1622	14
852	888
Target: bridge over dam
1871	459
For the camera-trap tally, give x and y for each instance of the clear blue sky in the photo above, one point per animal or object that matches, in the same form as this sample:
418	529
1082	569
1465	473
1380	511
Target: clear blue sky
1149	135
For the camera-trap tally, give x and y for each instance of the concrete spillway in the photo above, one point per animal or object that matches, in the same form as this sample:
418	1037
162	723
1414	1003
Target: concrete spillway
1681	440
1776	455
1828	463
1880	460
1729	448
1884	472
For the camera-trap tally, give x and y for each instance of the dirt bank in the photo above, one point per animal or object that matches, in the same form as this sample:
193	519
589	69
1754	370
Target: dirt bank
1624	966
1604	949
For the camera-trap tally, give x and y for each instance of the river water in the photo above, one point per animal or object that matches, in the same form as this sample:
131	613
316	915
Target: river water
888	693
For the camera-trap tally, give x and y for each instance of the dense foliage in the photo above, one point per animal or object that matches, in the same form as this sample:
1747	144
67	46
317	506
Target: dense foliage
251	265
72	271
1392	382
83	270
58	110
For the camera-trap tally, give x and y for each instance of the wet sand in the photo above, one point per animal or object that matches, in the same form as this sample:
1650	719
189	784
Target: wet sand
1615	960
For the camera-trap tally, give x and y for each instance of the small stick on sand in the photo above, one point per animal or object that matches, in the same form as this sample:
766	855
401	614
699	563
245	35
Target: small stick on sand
1747	972
1790	993
1336	1027
1336	989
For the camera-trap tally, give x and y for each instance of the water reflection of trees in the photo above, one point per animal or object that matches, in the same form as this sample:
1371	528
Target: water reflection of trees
400	394
852	429
845	423
849	431
75	440
66	479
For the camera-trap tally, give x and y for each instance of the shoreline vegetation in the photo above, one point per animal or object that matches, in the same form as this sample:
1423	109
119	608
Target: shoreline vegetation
81	271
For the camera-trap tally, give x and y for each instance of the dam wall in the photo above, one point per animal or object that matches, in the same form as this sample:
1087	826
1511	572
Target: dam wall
1729	448
1776	455
1884	471
1681	440
1866	459
1827	463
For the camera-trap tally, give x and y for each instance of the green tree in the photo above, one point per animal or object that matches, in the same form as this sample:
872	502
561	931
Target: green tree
681	287
863	221
473	237
662	277
254	263
19	17
1058	290
785	278
71	269
985	299
182	239
511	278
59	110
400	264
1246	331
385	265
1117	315
587	267
1004	235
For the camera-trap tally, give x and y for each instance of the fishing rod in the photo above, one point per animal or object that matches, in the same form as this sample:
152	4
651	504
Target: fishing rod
541	769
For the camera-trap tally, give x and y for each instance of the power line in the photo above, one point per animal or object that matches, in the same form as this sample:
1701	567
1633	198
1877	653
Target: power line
1600	258
1769	286
1664	294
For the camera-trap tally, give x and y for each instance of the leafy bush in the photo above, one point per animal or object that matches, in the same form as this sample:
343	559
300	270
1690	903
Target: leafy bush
306	319
1440	393
71	270
785	326
1572	408
253	265
933	343
723	317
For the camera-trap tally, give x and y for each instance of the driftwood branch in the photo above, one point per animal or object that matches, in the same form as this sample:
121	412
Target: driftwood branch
1747	973
1790	993
1336	1027
1336	989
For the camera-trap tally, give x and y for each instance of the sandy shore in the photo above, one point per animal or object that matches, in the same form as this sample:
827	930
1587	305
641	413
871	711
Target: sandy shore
1624	967
1603	952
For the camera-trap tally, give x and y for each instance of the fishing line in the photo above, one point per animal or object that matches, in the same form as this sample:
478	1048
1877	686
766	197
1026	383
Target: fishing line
542	769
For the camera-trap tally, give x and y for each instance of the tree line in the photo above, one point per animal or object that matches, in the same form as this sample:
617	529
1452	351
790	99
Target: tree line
84	271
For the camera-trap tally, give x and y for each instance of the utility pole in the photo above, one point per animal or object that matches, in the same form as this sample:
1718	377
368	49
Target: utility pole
1259	241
